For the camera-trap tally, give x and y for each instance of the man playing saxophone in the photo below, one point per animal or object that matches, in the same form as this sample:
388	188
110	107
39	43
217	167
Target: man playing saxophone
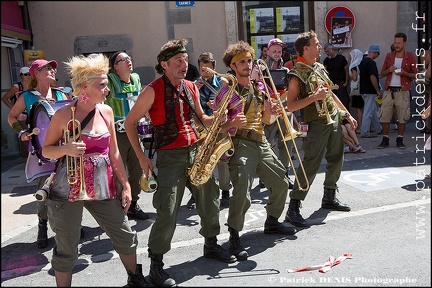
309	83
173	105
253	154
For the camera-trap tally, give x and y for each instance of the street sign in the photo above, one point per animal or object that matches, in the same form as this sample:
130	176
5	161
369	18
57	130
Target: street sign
338	11
185	3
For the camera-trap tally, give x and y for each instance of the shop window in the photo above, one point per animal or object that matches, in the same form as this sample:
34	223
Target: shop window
265	20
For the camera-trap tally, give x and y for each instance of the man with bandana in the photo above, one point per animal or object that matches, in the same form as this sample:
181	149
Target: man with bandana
253	155
173	104
309	82
125	87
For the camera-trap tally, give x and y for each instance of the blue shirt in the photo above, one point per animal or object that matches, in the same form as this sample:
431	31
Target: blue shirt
206	94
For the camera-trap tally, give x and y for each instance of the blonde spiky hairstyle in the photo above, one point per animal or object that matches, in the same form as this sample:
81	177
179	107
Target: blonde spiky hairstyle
84	69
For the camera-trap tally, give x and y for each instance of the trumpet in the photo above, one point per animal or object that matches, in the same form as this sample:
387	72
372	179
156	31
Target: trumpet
75	173
291	133
322	109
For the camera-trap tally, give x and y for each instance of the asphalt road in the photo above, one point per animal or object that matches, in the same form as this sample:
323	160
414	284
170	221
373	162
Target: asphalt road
387	232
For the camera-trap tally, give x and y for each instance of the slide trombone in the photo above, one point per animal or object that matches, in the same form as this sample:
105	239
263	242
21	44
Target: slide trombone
291	133
73	175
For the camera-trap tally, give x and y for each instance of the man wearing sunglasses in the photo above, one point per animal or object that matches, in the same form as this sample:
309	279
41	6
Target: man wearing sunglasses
125	86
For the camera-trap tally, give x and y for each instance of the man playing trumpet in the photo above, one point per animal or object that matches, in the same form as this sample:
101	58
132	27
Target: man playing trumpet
309	83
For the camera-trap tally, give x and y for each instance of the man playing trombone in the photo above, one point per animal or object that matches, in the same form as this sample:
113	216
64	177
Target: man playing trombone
253	154
309	87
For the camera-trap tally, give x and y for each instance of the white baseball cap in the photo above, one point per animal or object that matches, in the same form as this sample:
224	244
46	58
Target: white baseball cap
24	70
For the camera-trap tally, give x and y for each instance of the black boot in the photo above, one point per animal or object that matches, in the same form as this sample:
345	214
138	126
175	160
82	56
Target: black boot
235	246
273	226
158	276
136	213
191	203
293	214
42	237
225	199
329	201
137	279
213	250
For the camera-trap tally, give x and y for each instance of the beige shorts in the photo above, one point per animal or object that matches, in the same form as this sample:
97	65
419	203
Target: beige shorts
398	101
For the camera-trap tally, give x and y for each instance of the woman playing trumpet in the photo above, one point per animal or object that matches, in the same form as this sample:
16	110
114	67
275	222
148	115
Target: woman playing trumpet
96	148
308	83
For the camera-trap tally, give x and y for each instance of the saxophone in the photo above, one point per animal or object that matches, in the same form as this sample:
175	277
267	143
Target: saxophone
211	149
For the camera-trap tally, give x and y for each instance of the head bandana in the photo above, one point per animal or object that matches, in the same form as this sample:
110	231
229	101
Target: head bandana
240	56
166	54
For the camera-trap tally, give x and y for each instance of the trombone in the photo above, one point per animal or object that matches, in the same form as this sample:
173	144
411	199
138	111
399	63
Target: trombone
291	134
75	173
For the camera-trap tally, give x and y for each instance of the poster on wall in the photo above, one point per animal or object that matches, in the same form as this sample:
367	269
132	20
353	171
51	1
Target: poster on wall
32	55
288	19
262	20
258	41
289	40
341	36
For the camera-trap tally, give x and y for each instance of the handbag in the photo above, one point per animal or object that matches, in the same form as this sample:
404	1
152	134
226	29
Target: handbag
355	85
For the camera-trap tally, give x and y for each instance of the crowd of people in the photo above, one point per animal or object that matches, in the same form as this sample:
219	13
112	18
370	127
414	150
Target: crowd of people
109	102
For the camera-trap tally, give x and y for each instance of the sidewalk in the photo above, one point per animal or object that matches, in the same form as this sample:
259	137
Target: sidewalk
19	205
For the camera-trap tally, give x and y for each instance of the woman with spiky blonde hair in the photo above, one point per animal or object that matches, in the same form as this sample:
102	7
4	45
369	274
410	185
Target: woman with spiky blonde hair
94	148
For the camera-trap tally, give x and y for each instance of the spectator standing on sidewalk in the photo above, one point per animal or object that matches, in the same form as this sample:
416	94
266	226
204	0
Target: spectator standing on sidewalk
356	100
399	68
125	87
337	67
10	98
369	89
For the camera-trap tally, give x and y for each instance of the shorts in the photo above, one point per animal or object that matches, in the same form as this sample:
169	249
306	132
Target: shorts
398	101
357	102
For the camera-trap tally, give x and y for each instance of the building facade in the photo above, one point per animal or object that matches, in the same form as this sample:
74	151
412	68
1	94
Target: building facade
65	28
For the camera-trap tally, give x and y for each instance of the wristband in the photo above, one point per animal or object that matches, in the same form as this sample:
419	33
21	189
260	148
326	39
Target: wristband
20	133
16	126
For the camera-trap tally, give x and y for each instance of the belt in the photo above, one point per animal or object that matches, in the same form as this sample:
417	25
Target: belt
394	89
251	135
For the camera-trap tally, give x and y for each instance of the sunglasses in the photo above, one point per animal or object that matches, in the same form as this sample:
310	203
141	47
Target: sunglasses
26	74
48	68
123	59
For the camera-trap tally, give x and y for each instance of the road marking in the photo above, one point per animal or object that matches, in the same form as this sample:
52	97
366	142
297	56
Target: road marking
378	179
87	259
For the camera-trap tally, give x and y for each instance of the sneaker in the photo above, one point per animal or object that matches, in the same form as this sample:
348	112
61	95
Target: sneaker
384	143
347	149
399	143
395	126
191	203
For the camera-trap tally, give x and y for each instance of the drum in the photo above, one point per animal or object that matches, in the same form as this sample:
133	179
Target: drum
145	129
40	117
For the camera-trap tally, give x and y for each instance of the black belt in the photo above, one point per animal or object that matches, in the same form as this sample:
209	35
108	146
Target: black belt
394	89
251	135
